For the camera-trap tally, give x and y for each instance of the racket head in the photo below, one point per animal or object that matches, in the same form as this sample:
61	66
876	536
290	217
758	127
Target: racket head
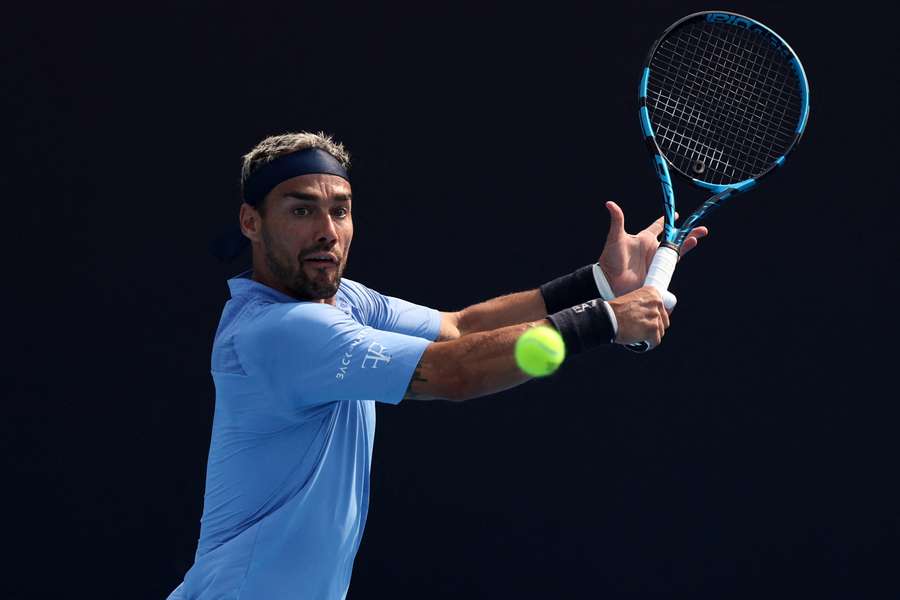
723	101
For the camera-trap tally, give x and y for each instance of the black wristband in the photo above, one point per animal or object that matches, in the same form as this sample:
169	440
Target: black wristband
584	326
569	290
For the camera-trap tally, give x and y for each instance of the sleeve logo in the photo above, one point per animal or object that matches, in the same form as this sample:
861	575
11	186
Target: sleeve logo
376	352
348	356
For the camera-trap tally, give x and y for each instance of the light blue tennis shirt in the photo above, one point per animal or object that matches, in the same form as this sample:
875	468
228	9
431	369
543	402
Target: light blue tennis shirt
287	483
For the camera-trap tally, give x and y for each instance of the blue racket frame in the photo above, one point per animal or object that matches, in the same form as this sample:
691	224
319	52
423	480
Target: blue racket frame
674	236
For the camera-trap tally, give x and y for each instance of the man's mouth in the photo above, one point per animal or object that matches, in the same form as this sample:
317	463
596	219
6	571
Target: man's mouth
322	260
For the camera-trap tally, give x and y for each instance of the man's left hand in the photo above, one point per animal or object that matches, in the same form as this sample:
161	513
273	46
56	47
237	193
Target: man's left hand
626	257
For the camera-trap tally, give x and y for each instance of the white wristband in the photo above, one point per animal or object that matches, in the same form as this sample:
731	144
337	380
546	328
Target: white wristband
612	318
603	285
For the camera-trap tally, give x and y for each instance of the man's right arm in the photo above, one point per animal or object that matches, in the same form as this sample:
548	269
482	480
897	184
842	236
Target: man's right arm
475	365
483	363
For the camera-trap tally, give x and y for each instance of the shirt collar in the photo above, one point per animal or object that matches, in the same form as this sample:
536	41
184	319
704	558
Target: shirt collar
244	284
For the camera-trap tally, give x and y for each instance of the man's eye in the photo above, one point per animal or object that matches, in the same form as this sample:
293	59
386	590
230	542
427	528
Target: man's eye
301	211
342	212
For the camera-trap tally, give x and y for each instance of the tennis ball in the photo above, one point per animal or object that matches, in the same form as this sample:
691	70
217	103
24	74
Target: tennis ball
540	351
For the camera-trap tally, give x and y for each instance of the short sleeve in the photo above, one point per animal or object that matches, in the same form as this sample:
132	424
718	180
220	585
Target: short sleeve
400	316
310	353
412	319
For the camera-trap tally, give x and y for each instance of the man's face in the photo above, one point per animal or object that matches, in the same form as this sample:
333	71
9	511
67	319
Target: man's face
306	232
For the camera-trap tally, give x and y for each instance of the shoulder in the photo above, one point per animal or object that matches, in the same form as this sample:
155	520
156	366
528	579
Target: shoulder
299	313
359	300
274	324
355	291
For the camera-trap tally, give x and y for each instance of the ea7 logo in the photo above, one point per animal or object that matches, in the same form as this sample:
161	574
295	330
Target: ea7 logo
580	308
376	352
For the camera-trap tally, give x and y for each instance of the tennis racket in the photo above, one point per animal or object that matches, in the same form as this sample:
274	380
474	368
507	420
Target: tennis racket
723	101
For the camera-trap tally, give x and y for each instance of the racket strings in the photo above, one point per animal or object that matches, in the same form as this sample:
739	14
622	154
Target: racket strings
772	78
724	103
745	117
741	118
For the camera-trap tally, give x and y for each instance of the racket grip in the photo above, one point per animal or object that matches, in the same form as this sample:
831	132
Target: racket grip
659	275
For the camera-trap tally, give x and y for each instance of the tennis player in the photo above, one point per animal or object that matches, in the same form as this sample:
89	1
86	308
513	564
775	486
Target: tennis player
302	354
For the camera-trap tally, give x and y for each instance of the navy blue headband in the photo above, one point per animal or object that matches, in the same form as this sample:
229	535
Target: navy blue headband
311	161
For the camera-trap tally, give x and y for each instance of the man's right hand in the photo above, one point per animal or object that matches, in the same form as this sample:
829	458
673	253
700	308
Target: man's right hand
641	316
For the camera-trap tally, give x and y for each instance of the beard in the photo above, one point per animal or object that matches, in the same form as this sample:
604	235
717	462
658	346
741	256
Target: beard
291	273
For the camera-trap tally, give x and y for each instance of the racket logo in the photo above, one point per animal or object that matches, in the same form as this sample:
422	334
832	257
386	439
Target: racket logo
738	21
664	178
731	20
660	169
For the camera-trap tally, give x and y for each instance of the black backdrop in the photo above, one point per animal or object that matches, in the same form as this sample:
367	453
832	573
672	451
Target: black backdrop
751	455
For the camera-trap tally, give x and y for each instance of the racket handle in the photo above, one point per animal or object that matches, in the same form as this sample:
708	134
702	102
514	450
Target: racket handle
659	275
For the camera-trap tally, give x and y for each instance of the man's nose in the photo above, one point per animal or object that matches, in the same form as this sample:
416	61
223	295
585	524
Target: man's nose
327	230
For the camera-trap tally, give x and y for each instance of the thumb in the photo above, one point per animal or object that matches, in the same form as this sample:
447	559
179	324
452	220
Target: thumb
616	221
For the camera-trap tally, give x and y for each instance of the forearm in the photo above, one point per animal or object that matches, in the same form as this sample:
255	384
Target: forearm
477	364
584	284
512	309
483	363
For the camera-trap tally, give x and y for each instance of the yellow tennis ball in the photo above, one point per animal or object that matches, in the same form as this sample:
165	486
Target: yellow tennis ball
540	351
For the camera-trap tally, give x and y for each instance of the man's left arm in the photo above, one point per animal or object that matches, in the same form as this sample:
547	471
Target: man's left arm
511	309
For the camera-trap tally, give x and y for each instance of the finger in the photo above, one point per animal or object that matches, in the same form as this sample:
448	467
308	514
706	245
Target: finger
656	227
616	221
693	239
662	315
688	245
698	232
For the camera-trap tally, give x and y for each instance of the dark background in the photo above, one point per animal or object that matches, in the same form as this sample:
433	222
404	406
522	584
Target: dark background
752	455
